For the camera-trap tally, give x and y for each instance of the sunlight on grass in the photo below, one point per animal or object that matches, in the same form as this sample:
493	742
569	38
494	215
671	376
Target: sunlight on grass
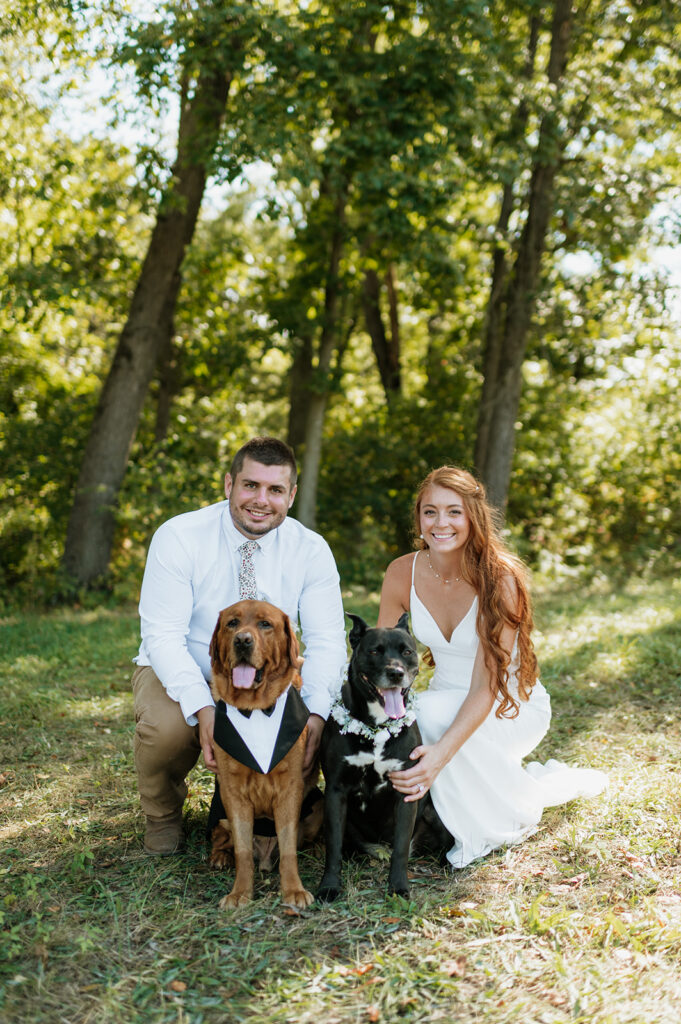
581	923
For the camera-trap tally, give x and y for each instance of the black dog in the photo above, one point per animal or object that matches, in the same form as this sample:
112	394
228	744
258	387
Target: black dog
369	733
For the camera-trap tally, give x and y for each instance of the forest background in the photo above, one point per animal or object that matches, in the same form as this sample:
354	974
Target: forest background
398	234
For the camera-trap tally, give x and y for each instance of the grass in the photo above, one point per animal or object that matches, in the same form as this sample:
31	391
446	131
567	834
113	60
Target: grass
581	923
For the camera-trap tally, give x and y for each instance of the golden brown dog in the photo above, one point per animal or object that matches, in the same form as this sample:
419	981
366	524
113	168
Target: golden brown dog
256	660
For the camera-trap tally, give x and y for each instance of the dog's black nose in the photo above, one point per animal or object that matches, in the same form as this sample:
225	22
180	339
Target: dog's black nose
395	673
244	641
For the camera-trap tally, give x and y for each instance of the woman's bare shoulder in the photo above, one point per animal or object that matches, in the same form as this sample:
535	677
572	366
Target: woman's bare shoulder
395	591
399	570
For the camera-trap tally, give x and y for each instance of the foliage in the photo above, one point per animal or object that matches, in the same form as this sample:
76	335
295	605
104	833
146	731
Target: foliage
596	476
371	474
581	923
71	211
415	109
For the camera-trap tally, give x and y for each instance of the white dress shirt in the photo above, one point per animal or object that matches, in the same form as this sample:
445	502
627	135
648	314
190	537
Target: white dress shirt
192	574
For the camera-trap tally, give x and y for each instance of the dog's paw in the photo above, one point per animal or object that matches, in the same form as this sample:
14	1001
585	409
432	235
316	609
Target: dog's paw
327	894
297	898
221	859
234	899
221	847
402	891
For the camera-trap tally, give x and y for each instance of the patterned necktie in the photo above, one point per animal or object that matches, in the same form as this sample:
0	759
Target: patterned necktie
247	584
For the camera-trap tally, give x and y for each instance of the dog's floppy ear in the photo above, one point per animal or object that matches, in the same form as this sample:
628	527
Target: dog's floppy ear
403	622
293	646
213	646
359	628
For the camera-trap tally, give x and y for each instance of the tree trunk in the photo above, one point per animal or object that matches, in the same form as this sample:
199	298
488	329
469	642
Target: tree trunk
513	292
318	394
494	338
299	383
393	315
386	349
168	373
91	525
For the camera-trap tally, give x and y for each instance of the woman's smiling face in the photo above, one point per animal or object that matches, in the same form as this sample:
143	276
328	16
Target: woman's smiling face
443	519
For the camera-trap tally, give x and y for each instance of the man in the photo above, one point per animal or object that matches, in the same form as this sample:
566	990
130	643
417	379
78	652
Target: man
199	563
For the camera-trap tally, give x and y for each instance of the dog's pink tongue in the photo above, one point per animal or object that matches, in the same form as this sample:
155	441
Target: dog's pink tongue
394	704
243	676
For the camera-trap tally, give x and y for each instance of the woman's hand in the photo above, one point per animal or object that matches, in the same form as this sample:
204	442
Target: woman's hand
415	782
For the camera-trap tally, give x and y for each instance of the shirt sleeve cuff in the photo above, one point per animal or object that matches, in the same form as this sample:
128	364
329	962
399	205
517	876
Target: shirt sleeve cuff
317	703
192	700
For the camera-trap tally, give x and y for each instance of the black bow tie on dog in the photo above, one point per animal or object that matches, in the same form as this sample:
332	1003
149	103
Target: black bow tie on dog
266	711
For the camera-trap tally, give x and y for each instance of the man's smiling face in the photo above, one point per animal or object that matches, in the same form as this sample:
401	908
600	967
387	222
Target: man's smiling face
259	497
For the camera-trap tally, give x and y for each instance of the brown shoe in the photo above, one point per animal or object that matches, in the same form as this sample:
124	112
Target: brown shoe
163	836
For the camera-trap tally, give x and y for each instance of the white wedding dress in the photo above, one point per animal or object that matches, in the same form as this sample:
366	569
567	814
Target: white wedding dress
484	795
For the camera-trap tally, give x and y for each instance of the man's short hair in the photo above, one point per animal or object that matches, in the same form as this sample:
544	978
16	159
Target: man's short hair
269	451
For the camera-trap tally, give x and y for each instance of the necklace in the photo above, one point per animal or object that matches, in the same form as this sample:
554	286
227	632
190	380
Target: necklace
457	579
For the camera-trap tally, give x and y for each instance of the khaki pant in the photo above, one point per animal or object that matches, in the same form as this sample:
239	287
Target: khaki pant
166	748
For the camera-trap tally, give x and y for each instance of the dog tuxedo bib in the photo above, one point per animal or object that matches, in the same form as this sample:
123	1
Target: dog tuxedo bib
271	734
260	739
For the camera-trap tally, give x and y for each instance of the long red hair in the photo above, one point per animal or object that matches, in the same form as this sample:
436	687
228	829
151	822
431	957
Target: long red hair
486	564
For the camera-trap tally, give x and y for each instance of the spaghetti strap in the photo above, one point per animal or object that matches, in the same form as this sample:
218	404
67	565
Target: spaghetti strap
413	568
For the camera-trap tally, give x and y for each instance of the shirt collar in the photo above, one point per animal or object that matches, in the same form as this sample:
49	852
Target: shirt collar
235	538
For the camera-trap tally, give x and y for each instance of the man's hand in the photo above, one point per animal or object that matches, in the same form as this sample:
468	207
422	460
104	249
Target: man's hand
206	717
315	727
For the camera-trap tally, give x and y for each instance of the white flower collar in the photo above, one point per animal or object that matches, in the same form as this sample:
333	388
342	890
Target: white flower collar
383	731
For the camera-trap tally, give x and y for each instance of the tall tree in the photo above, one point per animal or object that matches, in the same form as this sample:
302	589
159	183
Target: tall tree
599	103
388	85
329	339
386	344
514	291
212	51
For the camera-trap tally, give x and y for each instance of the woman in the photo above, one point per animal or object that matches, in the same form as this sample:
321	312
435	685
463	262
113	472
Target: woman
485	709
